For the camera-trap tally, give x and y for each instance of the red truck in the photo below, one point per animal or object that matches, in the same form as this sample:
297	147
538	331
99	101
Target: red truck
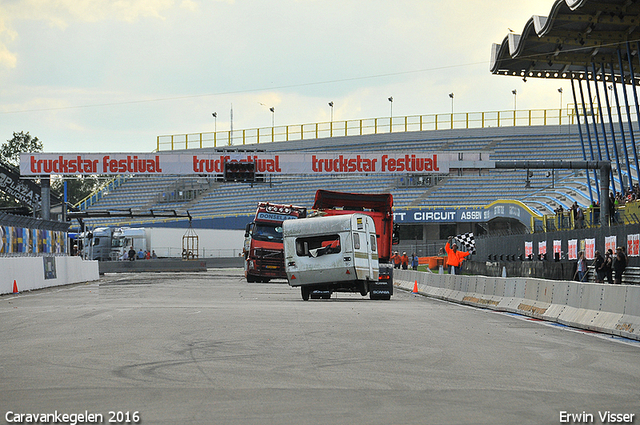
302	237
263	249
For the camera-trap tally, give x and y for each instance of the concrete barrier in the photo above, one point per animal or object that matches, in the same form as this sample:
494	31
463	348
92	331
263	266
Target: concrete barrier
146	266
612	309
31	273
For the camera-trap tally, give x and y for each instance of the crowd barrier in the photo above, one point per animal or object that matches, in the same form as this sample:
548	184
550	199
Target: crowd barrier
29	273
611	309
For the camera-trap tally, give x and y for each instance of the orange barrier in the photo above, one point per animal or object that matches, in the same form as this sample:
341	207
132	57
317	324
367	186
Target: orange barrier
432	262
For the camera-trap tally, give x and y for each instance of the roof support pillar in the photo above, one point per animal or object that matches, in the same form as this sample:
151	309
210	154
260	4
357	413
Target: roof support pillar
624	140
584	153
602	125
611	127
586	126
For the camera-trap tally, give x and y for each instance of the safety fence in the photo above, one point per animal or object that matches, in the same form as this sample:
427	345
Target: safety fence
566	220
360	127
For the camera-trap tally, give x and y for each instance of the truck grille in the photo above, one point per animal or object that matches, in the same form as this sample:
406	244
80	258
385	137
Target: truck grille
269	254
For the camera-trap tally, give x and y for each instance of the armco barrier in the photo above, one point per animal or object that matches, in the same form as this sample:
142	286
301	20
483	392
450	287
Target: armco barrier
612	309
31	273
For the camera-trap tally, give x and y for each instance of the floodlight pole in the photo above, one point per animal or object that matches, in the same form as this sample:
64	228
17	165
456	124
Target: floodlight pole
603	166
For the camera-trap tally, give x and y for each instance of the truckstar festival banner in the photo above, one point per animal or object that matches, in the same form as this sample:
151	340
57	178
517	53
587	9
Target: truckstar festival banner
36	164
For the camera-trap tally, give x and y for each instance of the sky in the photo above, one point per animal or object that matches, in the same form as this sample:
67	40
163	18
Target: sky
111	76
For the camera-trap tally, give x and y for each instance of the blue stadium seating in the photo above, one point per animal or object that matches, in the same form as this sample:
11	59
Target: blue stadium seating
544	193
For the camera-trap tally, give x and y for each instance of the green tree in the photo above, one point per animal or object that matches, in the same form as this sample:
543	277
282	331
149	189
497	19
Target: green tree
78	188
21	142
10	154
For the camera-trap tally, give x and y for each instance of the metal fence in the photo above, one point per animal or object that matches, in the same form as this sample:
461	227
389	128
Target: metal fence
450	121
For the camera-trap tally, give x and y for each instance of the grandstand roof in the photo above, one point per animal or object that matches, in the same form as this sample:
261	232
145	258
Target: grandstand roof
575	34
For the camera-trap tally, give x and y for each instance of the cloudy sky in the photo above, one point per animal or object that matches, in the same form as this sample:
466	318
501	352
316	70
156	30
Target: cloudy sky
101	75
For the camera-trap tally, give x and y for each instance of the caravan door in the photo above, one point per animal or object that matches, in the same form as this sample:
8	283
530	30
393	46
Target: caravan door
365	249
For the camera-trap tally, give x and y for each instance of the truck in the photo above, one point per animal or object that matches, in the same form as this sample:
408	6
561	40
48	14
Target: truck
95	244
263	249
359	230
109	243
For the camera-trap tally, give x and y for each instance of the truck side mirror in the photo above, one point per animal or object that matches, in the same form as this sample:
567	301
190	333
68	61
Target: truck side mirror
247	229
395	237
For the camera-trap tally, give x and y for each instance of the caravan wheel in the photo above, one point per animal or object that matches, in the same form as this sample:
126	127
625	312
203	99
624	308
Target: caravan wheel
305	293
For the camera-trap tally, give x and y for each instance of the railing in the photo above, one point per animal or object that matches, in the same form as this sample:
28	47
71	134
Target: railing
450	121
462	120
627	214
99	193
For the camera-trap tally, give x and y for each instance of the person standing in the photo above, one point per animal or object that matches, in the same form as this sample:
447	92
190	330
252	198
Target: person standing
395	260
581	268
598	266
454	257
405	261
619	264
132	254
414	261
608	265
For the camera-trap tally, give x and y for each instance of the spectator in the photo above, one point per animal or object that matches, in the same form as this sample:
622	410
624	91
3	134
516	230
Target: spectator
405	260
454	257
132	254
619	264
147	255
581	268
598	266
141	254
154	256
414	261
608	265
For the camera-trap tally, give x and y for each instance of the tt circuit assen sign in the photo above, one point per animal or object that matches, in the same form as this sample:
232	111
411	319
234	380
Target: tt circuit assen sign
435	215
36	164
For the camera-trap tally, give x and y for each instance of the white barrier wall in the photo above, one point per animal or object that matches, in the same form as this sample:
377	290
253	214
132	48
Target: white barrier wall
613	309
35	272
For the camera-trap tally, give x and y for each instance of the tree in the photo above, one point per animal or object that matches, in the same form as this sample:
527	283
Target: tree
10	154
21	142
78	188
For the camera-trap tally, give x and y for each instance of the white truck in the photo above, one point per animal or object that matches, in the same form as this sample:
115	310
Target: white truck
167	242
326	254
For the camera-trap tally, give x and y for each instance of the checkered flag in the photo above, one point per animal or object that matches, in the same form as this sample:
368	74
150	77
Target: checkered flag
467	241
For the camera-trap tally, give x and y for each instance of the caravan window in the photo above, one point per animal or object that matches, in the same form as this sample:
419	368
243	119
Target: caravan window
373	243
315	246
356	241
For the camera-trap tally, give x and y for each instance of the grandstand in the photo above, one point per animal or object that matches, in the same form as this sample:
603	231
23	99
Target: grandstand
543	191
594	44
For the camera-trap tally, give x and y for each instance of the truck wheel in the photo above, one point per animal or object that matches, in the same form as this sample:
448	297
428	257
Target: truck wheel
251	278
363	289
305	293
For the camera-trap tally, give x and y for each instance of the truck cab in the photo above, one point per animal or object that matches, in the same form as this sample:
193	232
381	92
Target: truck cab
326	254
263	249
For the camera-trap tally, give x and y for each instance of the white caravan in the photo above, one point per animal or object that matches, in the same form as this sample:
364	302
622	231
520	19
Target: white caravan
326	254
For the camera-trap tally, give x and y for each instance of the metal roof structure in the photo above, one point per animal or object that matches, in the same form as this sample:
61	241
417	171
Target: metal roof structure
575	35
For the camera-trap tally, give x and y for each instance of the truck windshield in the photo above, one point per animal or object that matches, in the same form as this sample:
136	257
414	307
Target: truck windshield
264	232
117	242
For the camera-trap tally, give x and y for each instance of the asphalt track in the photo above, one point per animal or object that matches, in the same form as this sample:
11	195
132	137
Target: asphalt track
208	348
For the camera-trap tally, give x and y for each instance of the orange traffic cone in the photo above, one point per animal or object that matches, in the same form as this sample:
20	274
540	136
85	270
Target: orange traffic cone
415	287
15	287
